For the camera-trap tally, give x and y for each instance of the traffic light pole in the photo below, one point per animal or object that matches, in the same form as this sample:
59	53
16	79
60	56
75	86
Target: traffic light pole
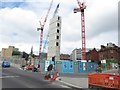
53	59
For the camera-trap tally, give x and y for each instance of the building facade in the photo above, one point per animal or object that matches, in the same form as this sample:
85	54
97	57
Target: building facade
93	55
111	51
76	54
64	57
54	38
7	52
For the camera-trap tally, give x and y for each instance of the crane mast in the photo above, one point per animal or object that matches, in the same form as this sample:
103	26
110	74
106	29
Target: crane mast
81	9
42	28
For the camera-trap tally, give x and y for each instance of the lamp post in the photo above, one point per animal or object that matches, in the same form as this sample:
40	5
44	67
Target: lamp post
119	67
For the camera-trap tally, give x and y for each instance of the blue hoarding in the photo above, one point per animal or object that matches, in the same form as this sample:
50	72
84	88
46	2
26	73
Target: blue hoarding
67	67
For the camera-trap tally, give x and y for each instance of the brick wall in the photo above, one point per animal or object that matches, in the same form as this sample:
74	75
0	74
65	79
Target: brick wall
93	55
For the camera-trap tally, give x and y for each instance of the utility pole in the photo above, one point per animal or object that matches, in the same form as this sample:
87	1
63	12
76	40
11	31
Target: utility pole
119	67
81	9
118	36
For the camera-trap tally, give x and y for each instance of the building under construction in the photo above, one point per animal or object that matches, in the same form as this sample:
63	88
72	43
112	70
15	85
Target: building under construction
54	38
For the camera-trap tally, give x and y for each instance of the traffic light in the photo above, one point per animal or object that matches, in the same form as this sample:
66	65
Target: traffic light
53	58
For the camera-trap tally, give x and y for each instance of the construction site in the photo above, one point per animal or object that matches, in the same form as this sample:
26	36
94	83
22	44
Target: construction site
85	64
94	80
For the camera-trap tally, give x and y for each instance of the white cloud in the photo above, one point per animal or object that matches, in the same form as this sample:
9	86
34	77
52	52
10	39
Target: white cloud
18	25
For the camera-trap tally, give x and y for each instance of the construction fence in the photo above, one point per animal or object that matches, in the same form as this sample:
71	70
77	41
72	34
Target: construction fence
62	66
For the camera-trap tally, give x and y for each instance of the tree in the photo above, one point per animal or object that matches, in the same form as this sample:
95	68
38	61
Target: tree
16	53
25	55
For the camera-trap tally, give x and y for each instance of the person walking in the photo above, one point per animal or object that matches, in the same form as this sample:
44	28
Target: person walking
38	67
48	73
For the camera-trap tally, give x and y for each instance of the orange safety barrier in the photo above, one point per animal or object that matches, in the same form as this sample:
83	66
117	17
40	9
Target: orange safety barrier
54	76
104	80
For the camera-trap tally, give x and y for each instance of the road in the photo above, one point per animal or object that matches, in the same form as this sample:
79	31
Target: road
16	78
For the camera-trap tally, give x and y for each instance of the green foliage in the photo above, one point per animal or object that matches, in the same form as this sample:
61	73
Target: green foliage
108	61
16	53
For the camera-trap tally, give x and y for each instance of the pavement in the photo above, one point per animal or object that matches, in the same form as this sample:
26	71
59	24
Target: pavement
74	82
79	80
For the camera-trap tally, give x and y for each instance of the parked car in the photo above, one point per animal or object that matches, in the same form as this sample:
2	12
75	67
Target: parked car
5	64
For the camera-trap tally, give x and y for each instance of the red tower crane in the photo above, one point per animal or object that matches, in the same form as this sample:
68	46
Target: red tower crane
81	9
42	24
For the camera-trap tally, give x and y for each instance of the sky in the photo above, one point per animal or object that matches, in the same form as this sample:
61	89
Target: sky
19	20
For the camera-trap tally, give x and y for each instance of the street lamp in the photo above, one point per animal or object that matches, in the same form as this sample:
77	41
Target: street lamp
119	67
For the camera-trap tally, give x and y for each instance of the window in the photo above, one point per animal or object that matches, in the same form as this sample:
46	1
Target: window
57	37
57	44
58	18
58	24
57	30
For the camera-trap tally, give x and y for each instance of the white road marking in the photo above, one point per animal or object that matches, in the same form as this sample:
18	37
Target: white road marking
9	77
64	86
69	84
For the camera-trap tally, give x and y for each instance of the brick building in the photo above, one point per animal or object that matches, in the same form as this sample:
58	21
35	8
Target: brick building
111	51
93	55
64	57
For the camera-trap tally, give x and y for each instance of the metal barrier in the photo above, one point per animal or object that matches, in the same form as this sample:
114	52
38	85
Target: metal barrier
104	81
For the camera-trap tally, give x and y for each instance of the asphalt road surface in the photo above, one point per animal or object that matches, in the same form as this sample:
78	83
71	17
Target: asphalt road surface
16	78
